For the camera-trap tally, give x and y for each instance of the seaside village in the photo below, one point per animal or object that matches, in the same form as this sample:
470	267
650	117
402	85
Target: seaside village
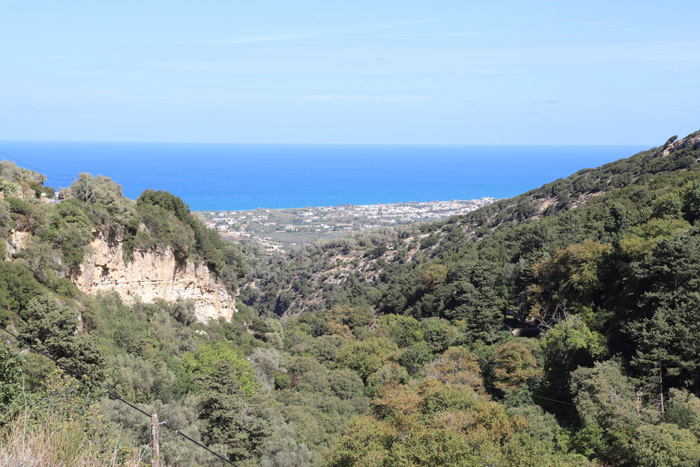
277	228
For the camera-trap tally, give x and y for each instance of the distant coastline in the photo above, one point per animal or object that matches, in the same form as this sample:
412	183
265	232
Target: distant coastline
276	229
236	177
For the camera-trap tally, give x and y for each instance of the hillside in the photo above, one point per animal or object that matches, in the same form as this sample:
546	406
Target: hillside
602	262
313	277
383	348
98	240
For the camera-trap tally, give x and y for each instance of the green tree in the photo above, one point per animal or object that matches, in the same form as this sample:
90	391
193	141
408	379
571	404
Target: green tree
683	409
473	297
403	330
17	288
98	190
209	359
434	276
641	239
352	316
438	333
28	215
10	377
107	207
664	445
514	366
283	450
566	346
345	384
223	259
573	277
5	219
413	358
367	442
53	328
607	402
457	366
663	324
690	198
41	259
229	419
366	356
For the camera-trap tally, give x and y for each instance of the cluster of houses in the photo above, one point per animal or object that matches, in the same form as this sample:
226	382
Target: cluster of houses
269	226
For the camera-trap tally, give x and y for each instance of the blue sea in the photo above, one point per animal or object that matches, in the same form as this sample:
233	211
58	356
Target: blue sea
236	177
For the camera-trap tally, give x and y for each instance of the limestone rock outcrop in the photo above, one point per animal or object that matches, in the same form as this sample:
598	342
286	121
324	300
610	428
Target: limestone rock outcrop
18	240
153	274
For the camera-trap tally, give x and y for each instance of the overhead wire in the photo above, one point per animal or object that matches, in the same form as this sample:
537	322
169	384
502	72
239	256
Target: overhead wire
84	378
53	177
35	168
165	423
75	373
553	400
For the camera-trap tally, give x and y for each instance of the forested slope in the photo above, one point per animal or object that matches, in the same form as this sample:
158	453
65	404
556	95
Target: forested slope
603	262
384	348
137	352
310	276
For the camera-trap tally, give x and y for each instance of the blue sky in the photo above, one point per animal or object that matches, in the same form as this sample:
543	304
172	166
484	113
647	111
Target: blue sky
408	72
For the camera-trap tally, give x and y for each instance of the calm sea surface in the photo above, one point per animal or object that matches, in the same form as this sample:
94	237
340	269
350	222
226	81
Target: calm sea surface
242	177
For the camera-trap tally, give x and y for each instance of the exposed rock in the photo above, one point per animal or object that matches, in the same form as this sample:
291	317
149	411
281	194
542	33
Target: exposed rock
675	145
18	240
153	274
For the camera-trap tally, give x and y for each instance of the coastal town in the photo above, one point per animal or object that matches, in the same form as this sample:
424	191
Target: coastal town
276	229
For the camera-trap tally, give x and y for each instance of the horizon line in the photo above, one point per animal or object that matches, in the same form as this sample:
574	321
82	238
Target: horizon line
254	143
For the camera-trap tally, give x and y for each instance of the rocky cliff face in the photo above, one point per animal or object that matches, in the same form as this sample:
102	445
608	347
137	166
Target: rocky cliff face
18	240
153	274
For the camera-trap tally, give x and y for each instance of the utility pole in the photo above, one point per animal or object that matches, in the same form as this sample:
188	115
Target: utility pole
155	435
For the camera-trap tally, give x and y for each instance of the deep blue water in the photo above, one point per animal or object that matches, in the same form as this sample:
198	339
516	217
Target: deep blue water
242	177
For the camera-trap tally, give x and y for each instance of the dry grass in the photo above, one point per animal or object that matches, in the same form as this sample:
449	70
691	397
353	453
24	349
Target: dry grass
61	429
59	442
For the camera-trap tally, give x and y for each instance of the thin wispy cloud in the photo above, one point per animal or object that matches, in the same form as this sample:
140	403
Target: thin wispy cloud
315	34
452	34
600	22
346	97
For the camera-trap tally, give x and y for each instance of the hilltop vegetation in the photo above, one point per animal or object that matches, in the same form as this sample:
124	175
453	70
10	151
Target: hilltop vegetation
131	350
603	262
386	347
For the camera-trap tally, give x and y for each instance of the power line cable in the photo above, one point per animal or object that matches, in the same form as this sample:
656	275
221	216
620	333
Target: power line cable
50	176
197	443
116	397
80	377
74	373
33	168
553	400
